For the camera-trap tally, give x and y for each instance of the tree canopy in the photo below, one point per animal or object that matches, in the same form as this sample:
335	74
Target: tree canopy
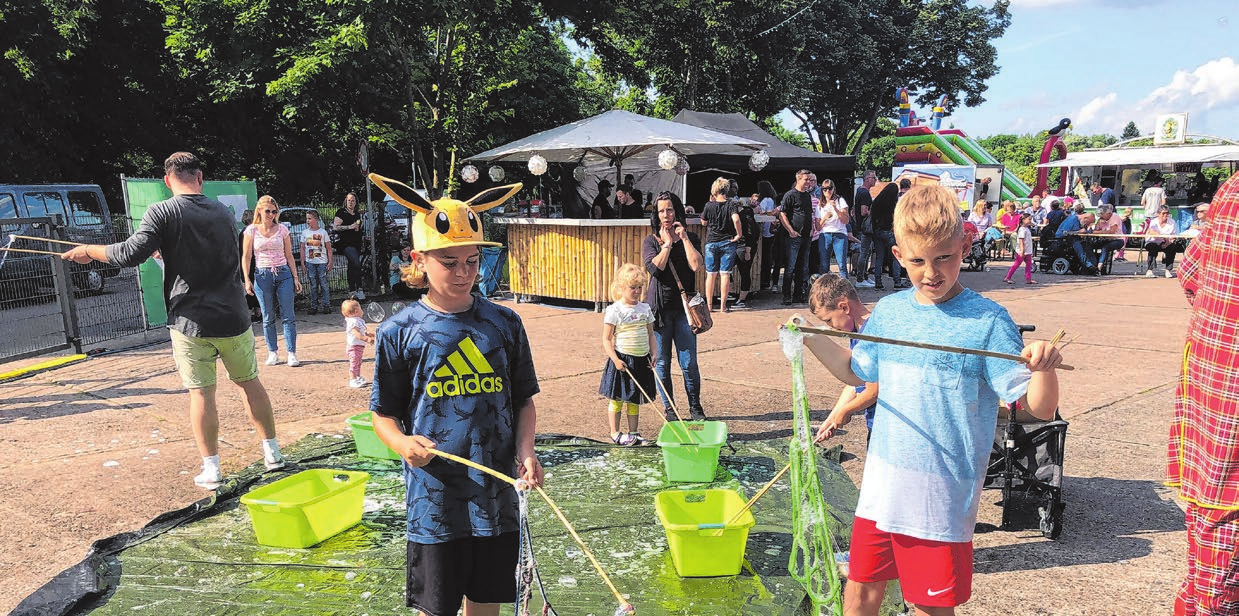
283	91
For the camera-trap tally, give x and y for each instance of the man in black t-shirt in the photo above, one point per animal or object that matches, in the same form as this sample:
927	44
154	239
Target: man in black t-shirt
796	216
862	227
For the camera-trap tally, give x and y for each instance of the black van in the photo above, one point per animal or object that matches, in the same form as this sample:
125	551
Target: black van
88	221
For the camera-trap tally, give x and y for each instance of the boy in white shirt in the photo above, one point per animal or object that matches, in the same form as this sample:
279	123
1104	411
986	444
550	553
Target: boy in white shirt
316	256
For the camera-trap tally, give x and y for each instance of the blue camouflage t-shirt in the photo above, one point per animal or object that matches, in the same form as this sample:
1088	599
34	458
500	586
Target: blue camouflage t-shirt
458	380
931	442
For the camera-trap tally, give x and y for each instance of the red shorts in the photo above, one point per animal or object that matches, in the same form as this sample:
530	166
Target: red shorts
1212	584
930	573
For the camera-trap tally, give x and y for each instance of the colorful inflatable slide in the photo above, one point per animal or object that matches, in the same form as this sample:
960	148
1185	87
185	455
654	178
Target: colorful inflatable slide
930	144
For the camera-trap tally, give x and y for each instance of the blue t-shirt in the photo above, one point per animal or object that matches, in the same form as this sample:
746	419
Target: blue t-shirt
869	410
458	380
931	442
1071	223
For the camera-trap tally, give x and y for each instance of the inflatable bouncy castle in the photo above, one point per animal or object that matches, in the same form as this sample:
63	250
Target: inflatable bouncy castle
917	144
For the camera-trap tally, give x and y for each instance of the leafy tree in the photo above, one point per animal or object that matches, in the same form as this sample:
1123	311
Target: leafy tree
86	95
1130	131
932	47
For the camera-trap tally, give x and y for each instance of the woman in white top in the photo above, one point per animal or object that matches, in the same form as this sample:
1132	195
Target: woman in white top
1163	225
831	223
276	280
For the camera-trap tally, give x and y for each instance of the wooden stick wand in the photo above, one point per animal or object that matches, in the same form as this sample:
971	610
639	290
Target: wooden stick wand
796	323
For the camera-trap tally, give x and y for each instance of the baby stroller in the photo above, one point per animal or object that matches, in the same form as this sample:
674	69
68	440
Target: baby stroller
1027	456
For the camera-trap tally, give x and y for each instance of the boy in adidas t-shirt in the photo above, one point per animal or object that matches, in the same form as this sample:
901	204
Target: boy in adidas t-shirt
454	372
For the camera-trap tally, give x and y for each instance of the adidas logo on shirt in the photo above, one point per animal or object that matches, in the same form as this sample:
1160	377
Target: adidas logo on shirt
463	374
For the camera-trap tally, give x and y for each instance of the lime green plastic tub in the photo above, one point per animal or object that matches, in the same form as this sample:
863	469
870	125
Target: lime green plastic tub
702	542
368	443
307	508
692	455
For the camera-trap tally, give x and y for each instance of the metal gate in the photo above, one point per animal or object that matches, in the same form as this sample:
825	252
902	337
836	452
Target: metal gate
48	304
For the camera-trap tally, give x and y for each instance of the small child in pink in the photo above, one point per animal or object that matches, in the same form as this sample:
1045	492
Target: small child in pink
357	337
1021	242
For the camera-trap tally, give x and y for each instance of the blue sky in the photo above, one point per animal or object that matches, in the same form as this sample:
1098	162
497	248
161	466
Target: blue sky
1103	63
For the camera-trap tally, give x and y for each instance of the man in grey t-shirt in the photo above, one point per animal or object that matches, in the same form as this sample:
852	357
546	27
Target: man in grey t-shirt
207	315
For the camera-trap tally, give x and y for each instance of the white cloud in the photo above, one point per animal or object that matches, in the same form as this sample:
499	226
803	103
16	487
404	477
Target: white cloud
1209	93
1213	84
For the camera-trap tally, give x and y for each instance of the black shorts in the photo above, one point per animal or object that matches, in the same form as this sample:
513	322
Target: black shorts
440	575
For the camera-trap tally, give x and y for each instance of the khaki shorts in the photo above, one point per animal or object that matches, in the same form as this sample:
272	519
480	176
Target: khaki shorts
195	358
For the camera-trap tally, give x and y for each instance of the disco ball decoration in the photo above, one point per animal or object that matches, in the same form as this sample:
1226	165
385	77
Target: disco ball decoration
579	174
537	164
496	173
667	159
469	173
759	160
681	168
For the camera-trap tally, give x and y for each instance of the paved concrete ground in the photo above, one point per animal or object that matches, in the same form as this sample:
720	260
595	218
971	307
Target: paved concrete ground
103	446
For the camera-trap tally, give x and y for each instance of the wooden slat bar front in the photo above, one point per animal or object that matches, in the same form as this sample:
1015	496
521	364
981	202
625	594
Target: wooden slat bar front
575	259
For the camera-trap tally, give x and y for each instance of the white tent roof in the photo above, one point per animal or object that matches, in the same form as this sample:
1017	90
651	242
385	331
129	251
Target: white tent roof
1155	155
616	136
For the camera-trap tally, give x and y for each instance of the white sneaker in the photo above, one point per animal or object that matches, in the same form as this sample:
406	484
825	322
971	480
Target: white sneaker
292	360
361	294
357	382
271	456
274	461
209	479
865	284
1150	274
1169	274
272	358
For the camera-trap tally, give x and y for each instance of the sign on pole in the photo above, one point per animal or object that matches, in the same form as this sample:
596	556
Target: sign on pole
363	158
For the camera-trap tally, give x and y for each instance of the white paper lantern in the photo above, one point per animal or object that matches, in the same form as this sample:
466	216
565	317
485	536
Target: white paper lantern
469	173
537	164
681	168
496	173
579	173
759	160
667	159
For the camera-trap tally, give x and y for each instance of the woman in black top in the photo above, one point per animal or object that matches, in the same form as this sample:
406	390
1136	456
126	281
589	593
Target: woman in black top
672	248
347	226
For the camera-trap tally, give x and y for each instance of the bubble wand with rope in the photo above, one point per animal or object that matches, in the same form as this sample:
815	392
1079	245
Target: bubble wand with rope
812	561
798	323
521	485
687	432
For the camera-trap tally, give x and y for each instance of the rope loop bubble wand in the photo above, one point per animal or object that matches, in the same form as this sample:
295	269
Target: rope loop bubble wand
522	487
812	560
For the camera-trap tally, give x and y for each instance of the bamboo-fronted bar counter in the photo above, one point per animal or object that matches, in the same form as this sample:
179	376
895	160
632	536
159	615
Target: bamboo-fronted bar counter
576	259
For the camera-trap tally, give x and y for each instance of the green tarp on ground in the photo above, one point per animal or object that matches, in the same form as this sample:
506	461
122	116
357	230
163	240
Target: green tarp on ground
204	559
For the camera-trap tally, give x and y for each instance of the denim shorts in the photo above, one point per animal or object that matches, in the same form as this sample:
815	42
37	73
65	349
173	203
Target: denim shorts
720	257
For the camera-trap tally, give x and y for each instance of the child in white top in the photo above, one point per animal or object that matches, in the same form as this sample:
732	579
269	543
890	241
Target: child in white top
627	339
1023	250
356	338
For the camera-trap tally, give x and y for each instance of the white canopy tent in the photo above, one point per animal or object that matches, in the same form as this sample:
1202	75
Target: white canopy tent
611	144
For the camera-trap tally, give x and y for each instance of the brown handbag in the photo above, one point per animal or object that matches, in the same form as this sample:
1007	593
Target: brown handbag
696	309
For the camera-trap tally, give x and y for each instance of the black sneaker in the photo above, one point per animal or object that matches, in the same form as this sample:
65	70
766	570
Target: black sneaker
787	301
669	414
696	413
311	312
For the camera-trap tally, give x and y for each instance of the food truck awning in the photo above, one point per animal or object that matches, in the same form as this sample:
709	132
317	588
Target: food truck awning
1126	157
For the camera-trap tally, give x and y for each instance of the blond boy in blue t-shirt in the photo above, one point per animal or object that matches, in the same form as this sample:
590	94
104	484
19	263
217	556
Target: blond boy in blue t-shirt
936	414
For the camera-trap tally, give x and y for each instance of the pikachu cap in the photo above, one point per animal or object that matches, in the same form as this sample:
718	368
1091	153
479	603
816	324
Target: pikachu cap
445	223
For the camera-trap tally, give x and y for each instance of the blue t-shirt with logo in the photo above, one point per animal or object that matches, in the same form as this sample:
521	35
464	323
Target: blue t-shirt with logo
931	442
456	379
